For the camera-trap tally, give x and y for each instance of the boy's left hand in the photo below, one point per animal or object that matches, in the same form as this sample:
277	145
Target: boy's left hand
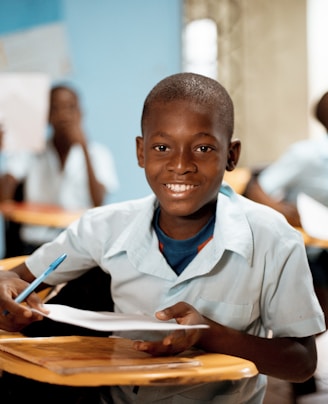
178	341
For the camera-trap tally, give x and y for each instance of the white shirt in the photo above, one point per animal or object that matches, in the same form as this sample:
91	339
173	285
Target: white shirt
45	182
252	276
302	168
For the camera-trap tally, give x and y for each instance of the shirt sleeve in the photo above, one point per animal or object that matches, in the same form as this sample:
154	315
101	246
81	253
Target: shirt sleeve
288	300
279	176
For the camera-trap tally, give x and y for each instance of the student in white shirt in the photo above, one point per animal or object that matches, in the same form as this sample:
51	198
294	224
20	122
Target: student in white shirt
71	172
195	251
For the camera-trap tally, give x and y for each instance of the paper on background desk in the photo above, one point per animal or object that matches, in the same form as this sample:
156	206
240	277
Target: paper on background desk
24	102
109	321
314	216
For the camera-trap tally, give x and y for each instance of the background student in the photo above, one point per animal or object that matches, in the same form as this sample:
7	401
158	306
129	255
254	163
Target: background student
302	168
71	172
193	251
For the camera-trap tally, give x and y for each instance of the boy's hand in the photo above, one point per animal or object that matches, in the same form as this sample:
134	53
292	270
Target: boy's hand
15	316
75	134
178	341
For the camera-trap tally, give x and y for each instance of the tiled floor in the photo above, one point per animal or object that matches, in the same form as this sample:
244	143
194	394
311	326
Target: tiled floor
281	392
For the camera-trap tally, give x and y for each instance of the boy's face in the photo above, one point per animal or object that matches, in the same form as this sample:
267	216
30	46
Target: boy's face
64	109
185	152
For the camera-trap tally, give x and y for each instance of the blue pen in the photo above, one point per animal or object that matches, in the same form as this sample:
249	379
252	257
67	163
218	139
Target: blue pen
26	292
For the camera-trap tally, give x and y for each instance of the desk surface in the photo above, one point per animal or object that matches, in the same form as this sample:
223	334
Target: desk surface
95	361
8	263
38	214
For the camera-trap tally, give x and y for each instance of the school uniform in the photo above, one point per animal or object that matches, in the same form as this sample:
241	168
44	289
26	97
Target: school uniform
252	276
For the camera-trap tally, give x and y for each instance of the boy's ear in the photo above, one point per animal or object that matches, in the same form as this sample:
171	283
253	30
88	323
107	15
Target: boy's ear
233	155
140	151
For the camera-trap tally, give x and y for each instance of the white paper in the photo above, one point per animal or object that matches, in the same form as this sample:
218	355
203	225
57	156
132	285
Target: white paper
24	104
109	321
314	216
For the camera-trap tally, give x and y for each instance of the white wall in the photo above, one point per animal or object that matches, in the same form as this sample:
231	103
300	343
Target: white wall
317	12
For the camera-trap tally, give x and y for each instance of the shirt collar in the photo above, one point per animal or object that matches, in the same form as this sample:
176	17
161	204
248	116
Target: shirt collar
232	230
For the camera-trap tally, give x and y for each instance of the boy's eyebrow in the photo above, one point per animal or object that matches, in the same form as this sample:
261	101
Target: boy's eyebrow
168	135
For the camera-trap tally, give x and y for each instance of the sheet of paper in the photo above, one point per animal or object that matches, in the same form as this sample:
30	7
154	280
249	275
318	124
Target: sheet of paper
109	321
24	103
314	216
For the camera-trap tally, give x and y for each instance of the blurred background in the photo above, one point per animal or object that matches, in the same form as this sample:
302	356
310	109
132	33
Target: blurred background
270	55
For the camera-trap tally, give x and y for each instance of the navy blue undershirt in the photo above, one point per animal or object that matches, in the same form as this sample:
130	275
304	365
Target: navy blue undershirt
179	253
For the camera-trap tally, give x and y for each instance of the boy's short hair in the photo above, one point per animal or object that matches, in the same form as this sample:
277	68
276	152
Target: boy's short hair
60	87
194	88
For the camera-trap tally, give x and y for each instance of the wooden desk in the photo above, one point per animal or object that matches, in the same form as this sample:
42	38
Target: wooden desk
312	241
8	263
95	361
38	214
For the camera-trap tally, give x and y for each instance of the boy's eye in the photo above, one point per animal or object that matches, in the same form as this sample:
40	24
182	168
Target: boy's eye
160	148
204	149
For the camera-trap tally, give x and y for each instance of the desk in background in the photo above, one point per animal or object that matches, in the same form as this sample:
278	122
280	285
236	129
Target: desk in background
38	214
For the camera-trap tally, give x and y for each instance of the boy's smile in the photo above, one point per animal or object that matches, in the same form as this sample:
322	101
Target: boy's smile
184	151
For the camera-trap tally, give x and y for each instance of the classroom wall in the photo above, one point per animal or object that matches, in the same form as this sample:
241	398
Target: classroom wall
118	50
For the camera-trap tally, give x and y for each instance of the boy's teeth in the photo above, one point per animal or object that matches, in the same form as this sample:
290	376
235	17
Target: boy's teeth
179	187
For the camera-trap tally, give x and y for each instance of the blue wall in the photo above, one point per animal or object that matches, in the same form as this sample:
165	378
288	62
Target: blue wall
119	49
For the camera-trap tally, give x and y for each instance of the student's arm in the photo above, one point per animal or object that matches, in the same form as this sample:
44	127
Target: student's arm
96	188
255	192
12	283
292	359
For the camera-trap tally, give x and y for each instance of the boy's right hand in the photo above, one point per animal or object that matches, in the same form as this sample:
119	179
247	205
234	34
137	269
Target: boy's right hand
15	316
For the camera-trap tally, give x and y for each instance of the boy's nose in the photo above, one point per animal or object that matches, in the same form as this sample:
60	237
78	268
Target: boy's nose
181	163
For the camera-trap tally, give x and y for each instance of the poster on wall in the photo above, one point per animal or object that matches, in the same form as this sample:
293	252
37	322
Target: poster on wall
28	66
24	105
39	49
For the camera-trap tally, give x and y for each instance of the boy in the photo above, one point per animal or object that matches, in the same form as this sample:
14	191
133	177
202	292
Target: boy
195	251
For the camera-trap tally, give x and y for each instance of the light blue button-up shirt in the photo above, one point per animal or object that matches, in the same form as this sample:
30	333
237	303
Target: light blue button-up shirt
252	276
